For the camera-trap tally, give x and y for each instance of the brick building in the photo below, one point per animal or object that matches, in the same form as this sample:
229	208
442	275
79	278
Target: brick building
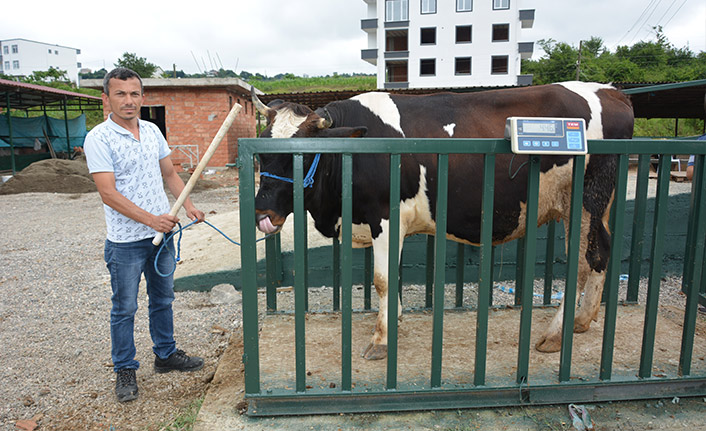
190	111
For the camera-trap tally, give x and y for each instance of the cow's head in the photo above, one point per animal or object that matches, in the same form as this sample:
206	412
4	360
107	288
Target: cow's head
274	201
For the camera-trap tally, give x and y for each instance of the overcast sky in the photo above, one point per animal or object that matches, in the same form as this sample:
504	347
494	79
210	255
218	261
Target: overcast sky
312	37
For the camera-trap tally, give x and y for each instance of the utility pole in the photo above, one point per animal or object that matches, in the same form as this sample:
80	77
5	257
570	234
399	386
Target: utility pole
578	64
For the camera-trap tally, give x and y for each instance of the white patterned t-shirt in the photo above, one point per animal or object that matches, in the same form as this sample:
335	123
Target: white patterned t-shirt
138	177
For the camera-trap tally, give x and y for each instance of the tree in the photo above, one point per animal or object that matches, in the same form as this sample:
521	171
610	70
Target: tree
98	74
138	64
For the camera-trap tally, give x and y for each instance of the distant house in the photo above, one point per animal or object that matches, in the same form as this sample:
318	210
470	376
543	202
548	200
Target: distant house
190	111
22	57
458	43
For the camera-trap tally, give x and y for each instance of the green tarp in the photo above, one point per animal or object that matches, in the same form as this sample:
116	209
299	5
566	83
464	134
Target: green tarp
27	132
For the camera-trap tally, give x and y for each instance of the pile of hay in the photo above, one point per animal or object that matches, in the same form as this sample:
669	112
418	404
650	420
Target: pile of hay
51	176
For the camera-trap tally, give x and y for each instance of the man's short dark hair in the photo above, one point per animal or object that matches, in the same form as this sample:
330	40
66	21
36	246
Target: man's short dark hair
121	73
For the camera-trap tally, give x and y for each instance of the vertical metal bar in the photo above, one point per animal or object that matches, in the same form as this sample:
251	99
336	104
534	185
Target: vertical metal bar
271	276
572	265
9	128
528	261
649	328
549	263
336	266
638	227
485	269
440	269
492	274
430	272
460	264
692	294
66	125
611	285
346	268
393	268
299	274
368	277
519	270
248	263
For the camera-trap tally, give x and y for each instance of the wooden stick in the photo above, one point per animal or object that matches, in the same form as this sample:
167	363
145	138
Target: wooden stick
201	166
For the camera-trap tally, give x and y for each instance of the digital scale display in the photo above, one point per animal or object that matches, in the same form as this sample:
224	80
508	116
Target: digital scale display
536	135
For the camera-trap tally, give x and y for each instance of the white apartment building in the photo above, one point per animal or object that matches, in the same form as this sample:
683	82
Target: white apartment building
447	43
21	57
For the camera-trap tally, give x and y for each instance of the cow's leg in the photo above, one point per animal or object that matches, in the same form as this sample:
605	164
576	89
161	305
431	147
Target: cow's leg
377	349
591	276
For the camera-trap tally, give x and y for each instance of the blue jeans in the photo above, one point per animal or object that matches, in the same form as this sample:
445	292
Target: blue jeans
126	263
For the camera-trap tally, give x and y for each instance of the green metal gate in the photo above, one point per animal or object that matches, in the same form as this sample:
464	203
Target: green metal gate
299	397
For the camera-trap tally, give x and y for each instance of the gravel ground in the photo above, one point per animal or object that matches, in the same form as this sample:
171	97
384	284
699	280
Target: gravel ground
54	312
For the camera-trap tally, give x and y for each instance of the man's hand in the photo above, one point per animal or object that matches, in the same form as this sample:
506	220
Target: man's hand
164	223
195	214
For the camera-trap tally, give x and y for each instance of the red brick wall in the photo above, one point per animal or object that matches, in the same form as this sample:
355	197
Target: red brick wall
194	115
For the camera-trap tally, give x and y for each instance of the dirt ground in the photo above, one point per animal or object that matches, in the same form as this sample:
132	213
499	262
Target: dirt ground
222	381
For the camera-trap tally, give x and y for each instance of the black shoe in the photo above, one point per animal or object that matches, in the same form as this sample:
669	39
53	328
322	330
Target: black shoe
179	361
126	385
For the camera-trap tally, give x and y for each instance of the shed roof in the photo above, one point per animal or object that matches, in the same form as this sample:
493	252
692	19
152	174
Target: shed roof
233	84
24	96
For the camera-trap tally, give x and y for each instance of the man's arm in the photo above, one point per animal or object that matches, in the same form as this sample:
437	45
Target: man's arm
105	182
176	185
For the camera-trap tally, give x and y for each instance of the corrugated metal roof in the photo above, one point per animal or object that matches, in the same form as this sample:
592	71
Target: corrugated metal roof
23	96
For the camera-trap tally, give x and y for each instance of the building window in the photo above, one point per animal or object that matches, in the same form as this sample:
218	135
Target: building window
396	40
498	65
396	10
464	5
5	49
501	32
15	50
463	34
428	6
15	64
396	71
427	67
56	52
7	65
428	36
463	66
501	4
50	51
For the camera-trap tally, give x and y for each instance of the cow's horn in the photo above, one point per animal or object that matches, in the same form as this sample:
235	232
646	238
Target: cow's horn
261	107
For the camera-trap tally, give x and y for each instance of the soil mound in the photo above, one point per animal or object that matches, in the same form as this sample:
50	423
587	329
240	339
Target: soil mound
51	176
69	176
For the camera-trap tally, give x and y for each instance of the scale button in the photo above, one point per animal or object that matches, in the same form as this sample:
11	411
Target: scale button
526	143
545	143
555	144
535	143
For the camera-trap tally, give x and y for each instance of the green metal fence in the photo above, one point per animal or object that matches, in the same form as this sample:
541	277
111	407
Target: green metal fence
395	393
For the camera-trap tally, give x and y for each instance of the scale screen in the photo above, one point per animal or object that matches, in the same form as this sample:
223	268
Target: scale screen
536	135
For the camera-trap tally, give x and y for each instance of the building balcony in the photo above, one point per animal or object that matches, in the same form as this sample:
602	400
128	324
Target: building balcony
524	80
396	55
396	85
369	55
525	49
369	25
527	18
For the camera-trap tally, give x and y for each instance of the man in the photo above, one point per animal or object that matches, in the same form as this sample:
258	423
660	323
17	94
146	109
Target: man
128	158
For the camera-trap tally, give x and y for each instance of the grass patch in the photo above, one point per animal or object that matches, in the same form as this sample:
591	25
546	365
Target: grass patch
186	418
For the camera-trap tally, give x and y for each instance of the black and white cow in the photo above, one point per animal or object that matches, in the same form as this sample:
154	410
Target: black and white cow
607	112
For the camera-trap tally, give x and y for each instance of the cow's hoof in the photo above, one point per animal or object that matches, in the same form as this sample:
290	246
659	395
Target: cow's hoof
548	344
375	351
581	327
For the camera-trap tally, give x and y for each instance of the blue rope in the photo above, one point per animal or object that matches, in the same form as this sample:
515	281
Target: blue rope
178	248
308	179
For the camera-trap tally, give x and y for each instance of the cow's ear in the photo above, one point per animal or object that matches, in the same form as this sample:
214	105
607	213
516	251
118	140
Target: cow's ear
359	132
343	132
